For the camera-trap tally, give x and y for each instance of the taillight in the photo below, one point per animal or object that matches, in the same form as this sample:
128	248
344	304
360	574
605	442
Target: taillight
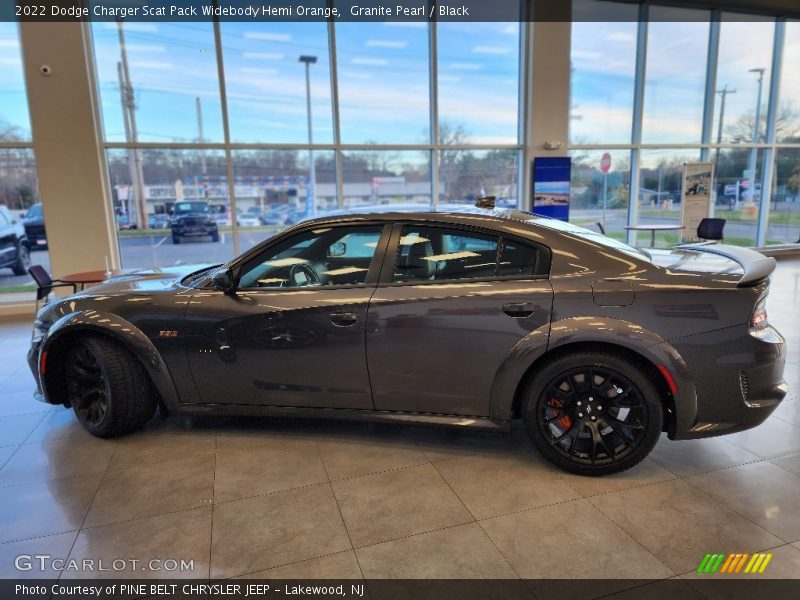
759	318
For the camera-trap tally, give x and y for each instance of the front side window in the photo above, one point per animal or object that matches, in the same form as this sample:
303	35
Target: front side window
320	257
437	253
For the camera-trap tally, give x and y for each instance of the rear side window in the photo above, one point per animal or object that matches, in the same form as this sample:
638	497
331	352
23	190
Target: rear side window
439	253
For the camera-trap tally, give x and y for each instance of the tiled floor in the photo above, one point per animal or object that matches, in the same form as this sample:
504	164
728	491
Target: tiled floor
283	498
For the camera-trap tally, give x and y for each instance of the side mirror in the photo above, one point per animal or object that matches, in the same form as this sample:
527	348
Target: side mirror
223	281
337	249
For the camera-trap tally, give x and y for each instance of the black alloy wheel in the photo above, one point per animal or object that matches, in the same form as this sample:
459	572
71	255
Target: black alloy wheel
88	386
593	414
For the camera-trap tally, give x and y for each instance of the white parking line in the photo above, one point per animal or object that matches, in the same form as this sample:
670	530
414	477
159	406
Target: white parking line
161	241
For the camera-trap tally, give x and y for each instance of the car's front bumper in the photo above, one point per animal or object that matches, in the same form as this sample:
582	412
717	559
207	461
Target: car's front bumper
737	373
34	362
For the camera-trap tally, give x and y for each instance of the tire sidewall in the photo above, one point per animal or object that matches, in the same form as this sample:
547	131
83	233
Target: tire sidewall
533	396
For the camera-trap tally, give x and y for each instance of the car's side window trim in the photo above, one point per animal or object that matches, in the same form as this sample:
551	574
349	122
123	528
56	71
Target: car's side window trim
371	279
392	255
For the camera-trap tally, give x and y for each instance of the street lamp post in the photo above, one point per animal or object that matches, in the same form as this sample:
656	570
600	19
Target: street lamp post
311	201
751	188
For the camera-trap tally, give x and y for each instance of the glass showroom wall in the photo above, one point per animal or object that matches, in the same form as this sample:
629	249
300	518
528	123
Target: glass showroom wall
685	86
259	125
19	191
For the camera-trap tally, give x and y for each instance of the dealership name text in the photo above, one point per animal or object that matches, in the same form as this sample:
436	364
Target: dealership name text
171	589
253	11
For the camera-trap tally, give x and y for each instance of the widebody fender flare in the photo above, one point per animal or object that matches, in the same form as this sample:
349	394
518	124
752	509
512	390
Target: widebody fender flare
124	332
576	331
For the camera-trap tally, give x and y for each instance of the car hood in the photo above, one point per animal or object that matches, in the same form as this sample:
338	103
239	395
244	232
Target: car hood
148	280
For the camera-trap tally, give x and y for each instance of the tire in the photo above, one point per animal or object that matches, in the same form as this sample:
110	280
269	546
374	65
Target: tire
23	260
215	236
108	388
176	239
616	424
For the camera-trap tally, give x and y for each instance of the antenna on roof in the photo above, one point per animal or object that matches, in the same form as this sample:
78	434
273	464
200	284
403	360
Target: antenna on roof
485	202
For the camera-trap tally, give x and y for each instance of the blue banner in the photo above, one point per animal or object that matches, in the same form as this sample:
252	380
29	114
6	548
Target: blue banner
551	175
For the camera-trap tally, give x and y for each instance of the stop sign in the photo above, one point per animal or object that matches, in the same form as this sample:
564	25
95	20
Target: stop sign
605	162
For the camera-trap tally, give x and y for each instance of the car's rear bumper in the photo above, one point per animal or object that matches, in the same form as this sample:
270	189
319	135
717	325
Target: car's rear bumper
737	374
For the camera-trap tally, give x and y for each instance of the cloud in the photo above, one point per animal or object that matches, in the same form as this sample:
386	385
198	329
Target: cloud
395	44
131	26
411	24
355	74
371	62
464	66
268	36
258	71
152	65
621	36
150	48
9	43
496	50
264	55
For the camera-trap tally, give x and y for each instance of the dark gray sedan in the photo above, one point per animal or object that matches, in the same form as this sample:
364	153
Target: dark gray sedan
466	319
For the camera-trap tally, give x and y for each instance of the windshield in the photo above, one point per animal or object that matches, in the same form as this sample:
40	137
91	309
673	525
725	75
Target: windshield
191	207
34	212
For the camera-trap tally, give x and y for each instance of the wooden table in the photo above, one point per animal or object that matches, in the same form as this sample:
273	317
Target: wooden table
85	277
653	228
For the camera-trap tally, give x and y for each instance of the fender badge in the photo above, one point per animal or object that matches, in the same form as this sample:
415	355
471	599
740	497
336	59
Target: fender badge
167	333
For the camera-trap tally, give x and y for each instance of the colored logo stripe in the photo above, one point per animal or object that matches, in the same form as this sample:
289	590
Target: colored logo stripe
735	563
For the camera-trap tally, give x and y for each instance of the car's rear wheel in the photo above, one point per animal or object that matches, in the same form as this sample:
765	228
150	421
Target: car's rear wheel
215	236
592	413
108	388
23	260
176	239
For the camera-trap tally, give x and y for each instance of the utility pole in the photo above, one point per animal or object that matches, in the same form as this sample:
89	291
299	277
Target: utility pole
311	201
751	188
723	94
131	133
200	137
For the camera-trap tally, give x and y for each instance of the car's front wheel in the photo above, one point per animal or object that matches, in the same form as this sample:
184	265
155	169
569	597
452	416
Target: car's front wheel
592	413
108	388
176	239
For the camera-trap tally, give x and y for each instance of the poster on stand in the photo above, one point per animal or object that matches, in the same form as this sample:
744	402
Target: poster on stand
551	176
695	197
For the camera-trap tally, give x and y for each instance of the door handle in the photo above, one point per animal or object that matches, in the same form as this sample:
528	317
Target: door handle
343	319
518	310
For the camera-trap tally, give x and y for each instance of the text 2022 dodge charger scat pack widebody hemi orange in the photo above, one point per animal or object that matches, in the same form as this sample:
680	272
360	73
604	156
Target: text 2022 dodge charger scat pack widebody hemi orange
469	319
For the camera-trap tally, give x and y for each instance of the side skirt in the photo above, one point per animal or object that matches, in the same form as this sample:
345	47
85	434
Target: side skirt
480	423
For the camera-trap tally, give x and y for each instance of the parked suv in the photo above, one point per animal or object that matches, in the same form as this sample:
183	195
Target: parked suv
13	244
193	219
34	227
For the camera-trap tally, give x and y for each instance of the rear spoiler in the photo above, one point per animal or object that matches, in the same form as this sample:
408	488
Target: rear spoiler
755	265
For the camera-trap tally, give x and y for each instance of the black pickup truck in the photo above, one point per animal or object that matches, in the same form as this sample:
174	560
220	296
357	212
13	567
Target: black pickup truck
193	219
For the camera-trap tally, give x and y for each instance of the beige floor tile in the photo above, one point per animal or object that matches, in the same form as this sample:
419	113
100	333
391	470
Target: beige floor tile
789	463
440	443
493	485
463	552
20	403
762	492
679	524
276	529
342	565
244	432
689	457
164	439
566	542
280	464
20	380
6	452
646	472
362	453
45	507
56	546
57	424
772	438
184	536
788	411
153	489
398	503
15	429
57	458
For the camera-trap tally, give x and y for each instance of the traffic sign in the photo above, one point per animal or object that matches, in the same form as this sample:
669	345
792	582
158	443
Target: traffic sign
605	163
